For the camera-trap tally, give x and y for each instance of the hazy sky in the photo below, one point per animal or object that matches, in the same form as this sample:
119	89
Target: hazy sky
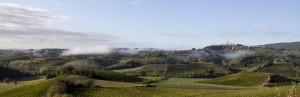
167	24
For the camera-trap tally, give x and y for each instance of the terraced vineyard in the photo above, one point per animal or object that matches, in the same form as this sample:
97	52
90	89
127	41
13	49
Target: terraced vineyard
171	87
192	83
114	76
280	69
239	79
278	84
157	92
214	71
188	70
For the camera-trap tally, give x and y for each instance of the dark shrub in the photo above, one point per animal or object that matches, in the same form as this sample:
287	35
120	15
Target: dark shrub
81	81
48	76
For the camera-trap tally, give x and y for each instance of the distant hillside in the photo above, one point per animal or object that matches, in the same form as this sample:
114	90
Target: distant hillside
239	79
286	45
10	73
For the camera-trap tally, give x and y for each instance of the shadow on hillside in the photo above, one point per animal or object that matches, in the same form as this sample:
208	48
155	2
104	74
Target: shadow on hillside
29	78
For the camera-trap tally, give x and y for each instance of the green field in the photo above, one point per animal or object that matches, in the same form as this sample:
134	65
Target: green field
37	89
182	81
105	83
153	60
239	79
162	92
192	83
102	83
115	76
172	87
150	70
152	78
133	92
186	70
130	70
279	68
20	82
125	59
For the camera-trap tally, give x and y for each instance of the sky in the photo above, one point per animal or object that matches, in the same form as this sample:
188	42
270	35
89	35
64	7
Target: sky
165	24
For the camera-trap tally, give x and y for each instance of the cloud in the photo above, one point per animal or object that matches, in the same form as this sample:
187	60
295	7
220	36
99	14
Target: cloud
17	16
134	2
100	49
236	54
30	27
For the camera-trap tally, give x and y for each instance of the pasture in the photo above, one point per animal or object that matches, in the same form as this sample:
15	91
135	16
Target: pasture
239	79
20	82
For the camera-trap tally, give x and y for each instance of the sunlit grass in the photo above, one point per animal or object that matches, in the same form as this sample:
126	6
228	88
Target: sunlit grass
20	82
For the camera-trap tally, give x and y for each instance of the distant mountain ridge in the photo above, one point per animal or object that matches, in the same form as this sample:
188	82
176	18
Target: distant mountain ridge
285	45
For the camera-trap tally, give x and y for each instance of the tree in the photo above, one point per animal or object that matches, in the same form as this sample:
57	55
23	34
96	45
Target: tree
211	72
6	80
50	75
143	73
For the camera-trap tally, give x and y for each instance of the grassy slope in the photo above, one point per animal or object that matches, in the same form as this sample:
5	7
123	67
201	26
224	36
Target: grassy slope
101	83
200	67
288	91
124	65
152	78
125	59
9	55
182	81
159	92
38	90
32	90
178	69
280	79
280	69
21	82
36	60
191	83
150	67
136	69
285	45
155	69
153	60
133	92
105	83
75	63
115	76
239	79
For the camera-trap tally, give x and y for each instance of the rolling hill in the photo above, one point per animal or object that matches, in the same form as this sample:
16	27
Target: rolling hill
285	45
239	79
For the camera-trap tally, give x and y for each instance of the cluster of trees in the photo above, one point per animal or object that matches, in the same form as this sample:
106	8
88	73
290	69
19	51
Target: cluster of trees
104	62
11	73
52	63
34	66
147	54
124	65
69	70
48	52
249	60
210	73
